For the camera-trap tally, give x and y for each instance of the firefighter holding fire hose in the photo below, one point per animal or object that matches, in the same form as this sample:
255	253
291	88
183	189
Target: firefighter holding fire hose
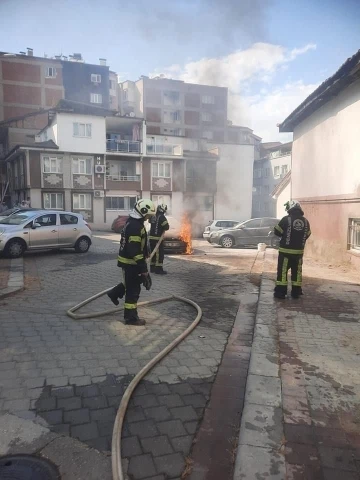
158	225
132	259
293	230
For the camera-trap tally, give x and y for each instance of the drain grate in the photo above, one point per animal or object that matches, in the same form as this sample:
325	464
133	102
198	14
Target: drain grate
27	467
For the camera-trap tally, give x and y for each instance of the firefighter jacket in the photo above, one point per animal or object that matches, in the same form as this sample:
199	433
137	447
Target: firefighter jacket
159	225
294	230
133	245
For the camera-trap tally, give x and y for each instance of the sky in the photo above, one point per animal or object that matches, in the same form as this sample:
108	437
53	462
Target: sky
271	54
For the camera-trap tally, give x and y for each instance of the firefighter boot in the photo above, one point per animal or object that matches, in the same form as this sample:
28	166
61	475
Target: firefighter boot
296	292
280	292
117	292
132	318
160	271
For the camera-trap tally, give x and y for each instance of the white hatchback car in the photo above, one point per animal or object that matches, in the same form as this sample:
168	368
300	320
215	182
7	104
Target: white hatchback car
43	229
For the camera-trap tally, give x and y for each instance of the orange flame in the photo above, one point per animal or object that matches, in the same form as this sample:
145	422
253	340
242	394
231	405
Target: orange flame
185	233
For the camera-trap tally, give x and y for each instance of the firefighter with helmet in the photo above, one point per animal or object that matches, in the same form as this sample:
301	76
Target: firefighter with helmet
293	230
132	259
158	225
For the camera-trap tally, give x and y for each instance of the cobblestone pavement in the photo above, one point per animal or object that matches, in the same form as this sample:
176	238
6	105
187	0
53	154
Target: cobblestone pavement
70	375
319	348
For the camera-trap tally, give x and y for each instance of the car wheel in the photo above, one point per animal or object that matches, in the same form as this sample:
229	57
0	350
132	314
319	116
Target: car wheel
227	241
15	248
82	245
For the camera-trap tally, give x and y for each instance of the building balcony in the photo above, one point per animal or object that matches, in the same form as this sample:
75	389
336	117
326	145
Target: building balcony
123	146
164	149
121	178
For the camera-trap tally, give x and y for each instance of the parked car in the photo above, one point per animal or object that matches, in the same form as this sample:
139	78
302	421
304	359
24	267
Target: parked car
12	211
43	229
251	232
215	225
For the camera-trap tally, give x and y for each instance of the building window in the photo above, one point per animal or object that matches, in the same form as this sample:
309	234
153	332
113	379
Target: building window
112	84
178	132
82	201
162	199
267	172
172	116
120	203
354	233
53	201
82	166
284	170
257	172
161	169
95	78
52	165
209	99
277	172
171	97
50	72
206	116
125	94
95	98
208	135
82	130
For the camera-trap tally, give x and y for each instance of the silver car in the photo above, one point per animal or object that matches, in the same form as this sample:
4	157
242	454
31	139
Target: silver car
43	229
215	225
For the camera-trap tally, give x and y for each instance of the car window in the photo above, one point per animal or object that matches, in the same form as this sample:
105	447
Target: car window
253	223
47	220
219	224
16	219
67	219
269	222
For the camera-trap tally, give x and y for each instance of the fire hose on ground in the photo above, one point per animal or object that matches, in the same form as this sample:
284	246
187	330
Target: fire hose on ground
117	471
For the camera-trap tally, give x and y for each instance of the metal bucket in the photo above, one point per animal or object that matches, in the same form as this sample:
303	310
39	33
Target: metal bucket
261	247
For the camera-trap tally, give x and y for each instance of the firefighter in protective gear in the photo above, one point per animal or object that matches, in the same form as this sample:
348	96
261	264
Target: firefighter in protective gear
132	259
293	230
159	225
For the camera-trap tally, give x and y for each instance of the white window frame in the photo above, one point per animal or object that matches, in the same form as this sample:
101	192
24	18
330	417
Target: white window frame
354	230
208	99
277	171
165	199
54	166
206	116
160	168
284	169
87	127
127	206
84	198
95	98
59	201
95	78
82	165
51	70
208	134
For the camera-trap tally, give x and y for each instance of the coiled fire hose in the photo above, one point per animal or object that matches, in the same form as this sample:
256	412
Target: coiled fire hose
117	471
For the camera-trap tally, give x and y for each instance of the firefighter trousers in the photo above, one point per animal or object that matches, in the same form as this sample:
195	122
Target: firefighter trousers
158	258
287	261
132	282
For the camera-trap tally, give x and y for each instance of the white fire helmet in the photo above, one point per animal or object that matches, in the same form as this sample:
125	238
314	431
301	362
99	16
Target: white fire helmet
292	204
162	208
145	207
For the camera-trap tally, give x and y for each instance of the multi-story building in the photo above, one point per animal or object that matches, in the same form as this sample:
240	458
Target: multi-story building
269	170
97	163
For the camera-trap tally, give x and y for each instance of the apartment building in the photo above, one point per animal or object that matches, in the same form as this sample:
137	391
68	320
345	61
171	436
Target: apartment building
269	170
97	163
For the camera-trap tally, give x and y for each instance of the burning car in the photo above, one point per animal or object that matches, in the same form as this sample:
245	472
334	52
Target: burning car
177	238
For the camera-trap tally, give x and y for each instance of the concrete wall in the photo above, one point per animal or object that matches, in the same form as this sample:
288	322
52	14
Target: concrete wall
66	140
326	172
281	200
234	182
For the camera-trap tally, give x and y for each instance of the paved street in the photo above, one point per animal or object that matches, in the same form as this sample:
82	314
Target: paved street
70	375
61	380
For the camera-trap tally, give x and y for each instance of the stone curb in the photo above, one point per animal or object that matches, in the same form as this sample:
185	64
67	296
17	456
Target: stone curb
16	278
261	432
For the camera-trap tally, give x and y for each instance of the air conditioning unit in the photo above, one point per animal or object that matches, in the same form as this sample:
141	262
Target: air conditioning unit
99	193
99	168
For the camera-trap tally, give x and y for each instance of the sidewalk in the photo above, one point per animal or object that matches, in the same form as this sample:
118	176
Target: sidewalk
11	276
302	407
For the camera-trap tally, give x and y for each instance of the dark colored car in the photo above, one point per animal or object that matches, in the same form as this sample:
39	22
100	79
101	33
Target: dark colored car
251	232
